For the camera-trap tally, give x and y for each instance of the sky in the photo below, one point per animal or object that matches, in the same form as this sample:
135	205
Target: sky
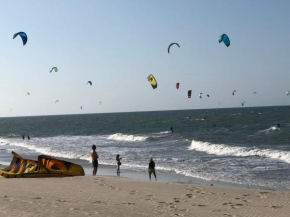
117	44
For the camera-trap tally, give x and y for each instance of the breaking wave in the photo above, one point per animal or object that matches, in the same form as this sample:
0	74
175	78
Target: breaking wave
221	149
124	137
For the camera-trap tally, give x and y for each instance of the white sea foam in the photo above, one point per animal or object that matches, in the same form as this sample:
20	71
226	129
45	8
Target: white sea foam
129	138
221	149
270	129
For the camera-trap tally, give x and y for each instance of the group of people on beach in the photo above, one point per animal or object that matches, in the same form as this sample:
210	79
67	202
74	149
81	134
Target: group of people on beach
95	162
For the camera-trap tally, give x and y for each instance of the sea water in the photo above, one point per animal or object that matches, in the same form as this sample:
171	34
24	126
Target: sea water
236	145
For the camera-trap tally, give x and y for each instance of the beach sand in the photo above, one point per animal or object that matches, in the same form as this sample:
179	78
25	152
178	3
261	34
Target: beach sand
117	196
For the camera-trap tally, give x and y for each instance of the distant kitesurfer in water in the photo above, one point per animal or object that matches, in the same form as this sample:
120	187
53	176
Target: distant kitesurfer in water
171	129
23	137
28	137
94	156
214	125
151	169
278	125
118	159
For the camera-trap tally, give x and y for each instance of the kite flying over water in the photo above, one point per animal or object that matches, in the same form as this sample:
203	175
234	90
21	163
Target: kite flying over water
255	93
152	81
234	92
89	82
288	93
225	39
189	94
56	101
177	85
207	95
200	95
243	103
54	68
171	45
27	94
23	37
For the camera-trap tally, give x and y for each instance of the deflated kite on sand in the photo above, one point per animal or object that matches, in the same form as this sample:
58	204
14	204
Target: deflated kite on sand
46	166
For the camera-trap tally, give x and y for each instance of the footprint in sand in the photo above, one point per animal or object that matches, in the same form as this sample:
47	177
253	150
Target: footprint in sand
62	201
37	198
133	192
129	203
189	195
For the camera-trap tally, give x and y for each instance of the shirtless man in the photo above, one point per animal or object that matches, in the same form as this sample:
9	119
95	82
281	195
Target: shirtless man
94	156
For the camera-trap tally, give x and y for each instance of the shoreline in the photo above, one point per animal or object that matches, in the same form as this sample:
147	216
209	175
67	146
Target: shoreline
110	170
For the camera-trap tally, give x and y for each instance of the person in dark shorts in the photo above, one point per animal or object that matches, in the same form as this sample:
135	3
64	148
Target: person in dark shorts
151	169
118	159
95	157
28	137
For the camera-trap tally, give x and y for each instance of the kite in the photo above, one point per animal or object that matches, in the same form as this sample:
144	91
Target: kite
81	107
100	103
23	37
54	68
171	45
234	92
152	81
189	94
207	95
243	103
255	93
177	85
56	101
225	39
27	94
89	82
200	95
288	93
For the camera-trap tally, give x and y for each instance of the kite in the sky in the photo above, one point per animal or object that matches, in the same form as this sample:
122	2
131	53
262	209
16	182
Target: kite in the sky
56	101
255	93
189	94
234	92
171	45
225	39
207	95
27	94
288	93
100	103
243	103
11	109
81	107
152	81
23	37
54	69
177	85
200	95
90	83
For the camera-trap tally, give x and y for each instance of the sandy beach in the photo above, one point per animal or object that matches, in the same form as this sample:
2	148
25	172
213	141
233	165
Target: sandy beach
117	196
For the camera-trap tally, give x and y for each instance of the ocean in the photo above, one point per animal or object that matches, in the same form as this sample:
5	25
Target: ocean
234	145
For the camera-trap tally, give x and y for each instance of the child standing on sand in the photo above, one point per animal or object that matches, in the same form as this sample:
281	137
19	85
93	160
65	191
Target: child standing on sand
94	156
118	159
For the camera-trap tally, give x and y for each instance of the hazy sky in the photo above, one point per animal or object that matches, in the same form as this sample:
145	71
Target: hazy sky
117	44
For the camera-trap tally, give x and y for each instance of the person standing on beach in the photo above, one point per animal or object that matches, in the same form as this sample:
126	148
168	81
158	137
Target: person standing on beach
118	159
94	156
151	169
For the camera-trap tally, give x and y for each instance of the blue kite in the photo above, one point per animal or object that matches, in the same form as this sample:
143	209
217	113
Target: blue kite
225	39
23	36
